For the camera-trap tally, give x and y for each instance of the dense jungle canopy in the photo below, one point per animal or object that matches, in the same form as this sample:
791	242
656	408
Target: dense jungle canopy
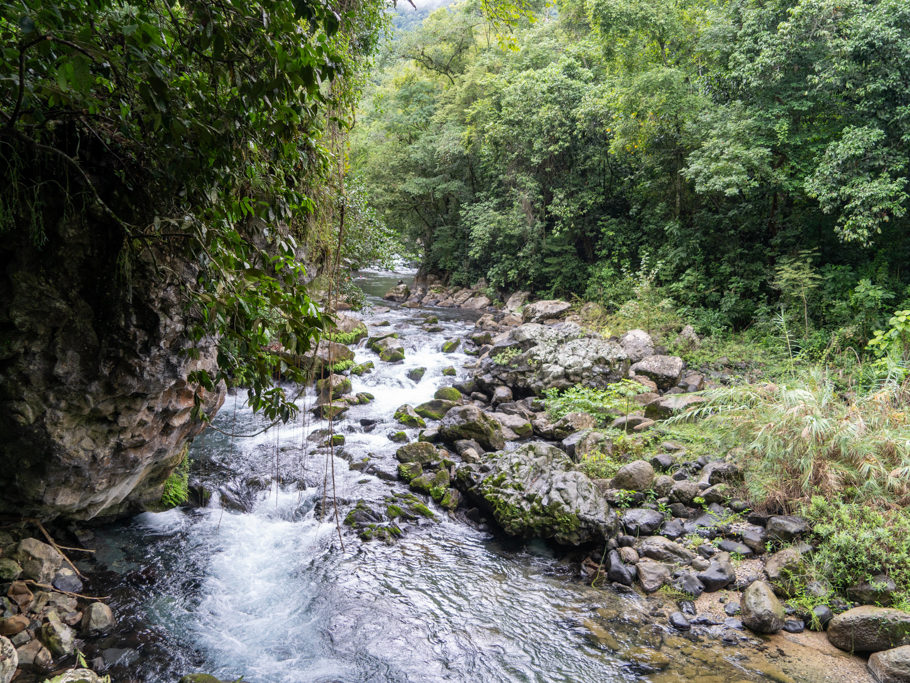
738	154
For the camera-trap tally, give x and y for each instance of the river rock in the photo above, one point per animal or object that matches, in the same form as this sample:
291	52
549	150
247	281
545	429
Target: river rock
398	293
663	549
389	349
870	629
39	561
535	491
417	451
719	573
634	476
879	590
637	344
57	637
9	660
10	570
448	394
501	394
97	619
416	374
641	521
33	655
618	571
539	311
784	569
533	357
332	387
786	527
684	492
891	666
406	415
435	409
673	404
652	574
516	301
470	422
664	371
10	626
761	610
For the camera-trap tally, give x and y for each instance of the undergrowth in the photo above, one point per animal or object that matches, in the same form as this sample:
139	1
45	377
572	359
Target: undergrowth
176	487
804	437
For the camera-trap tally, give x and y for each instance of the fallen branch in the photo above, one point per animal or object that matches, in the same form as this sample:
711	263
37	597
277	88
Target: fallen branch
47	587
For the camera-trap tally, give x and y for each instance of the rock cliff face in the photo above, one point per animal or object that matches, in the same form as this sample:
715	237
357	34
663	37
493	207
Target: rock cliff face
94	407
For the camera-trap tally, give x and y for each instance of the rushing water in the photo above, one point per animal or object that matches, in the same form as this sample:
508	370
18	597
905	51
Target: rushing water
271	595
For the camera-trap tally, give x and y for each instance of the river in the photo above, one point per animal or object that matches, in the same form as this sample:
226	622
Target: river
269	593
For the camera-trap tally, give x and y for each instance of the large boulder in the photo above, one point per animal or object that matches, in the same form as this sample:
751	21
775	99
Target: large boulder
399	293
891	666
664	371
470	422
634	476
532	358
540	311
761	610
637	344
97	619
870	629
390	349
516	301
535	491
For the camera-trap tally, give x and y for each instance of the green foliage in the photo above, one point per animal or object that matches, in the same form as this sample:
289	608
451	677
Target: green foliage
599	465
197	134
729	156
857	542
603	404
176	487
804	438
894	343
506	356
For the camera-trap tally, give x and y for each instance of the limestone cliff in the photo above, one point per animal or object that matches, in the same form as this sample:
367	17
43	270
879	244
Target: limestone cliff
94	406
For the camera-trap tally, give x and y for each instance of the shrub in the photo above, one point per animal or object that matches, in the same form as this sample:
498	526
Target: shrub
176	487
857	542
603	404
805	438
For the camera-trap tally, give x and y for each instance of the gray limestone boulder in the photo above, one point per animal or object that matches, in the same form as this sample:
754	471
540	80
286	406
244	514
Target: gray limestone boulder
637	344
470	422
533	357
664	371
891	666
535	491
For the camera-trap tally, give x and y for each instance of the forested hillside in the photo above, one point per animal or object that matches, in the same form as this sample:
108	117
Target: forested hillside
736	155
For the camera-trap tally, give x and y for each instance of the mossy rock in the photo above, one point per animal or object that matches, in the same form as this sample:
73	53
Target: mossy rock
329	411
448	394
200	678
407	416
338	385
449	371
363	368
435	409
398	437
451	345
431	320
392	355
432	329
418	451
373	342
365	397
451	500
335	440
408	471
416	374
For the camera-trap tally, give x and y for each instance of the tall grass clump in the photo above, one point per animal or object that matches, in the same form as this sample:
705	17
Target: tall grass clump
803	437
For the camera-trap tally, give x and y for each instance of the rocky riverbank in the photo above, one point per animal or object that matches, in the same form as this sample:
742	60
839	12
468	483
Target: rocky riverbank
670	523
